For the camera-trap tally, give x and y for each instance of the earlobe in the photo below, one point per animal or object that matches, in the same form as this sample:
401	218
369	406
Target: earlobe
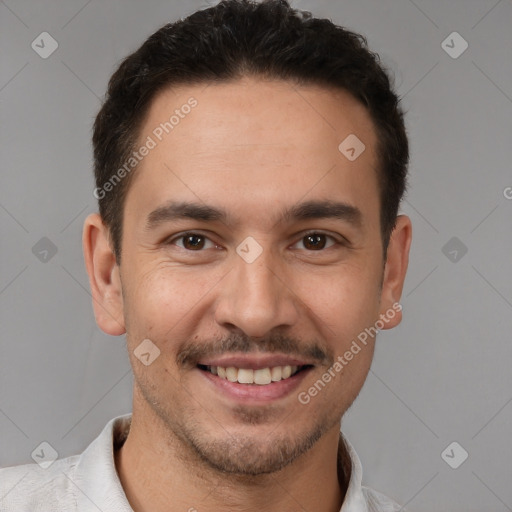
395	271
104	278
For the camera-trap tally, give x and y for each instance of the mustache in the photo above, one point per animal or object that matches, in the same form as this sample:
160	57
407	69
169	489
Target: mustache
190	353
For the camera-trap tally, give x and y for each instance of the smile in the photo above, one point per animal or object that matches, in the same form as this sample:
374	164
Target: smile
260	377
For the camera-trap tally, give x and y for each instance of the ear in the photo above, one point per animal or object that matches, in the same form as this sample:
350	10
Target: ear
104	278
395	270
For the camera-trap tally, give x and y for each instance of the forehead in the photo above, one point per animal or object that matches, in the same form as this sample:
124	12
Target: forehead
253	142
258	111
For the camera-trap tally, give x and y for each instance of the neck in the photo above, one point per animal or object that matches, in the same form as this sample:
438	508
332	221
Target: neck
158	473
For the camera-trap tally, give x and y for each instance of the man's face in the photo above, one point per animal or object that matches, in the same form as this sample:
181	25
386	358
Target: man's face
196	289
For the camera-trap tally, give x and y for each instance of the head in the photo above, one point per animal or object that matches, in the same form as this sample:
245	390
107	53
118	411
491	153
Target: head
250	161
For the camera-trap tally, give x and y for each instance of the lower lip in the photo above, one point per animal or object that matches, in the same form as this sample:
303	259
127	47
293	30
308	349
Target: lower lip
255	392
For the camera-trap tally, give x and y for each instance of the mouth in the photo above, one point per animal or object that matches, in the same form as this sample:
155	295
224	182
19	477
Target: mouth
255	377
250	380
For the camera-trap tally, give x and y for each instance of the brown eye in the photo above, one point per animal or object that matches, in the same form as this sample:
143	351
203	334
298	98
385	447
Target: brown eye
192	242
316	241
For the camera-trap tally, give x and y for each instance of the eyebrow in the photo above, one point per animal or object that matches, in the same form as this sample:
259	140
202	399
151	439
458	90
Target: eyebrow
307	210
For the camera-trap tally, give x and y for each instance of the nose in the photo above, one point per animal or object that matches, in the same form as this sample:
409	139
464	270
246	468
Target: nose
256	298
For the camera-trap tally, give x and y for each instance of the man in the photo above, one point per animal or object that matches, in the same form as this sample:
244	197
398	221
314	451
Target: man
250	161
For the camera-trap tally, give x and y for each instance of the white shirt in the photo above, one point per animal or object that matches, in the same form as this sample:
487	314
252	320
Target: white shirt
89	482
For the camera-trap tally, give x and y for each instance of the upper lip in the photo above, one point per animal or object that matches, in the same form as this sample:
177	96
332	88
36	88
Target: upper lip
254	362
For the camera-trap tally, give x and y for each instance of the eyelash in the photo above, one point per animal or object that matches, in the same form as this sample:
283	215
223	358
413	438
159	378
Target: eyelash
313	232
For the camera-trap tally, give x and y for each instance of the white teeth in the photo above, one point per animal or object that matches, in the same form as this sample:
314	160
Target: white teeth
287	371
276	373
245	376
261	377
232	374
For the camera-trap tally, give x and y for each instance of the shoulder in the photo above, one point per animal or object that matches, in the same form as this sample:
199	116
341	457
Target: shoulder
30	487
77	482
378	502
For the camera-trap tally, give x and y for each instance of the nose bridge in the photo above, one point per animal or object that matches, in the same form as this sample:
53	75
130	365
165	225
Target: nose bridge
256	300
258	279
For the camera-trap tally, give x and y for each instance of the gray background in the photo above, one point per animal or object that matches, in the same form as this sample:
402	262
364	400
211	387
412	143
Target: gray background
443	375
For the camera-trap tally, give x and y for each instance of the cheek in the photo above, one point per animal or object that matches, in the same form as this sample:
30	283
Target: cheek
163	300
344	302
